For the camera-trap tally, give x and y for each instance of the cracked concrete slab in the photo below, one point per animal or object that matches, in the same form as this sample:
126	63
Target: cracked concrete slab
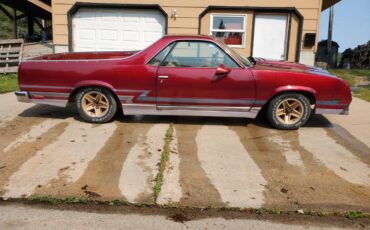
230	168
65	152
292	156
141	166
171	189
334	156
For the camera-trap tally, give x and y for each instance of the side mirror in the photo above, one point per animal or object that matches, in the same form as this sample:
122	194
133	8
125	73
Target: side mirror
222	70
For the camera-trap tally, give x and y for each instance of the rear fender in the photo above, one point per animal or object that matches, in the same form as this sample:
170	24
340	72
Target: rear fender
92	83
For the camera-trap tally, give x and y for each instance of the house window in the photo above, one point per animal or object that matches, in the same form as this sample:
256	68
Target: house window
229	28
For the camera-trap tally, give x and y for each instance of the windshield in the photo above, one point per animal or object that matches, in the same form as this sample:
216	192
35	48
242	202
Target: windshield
240	58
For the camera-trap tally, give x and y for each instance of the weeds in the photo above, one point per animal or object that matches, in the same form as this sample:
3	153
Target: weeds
45	199
323	214
353	215
163	162
261	211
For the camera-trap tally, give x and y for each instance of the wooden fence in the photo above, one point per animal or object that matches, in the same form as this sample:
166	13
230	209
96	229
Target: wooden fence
10	55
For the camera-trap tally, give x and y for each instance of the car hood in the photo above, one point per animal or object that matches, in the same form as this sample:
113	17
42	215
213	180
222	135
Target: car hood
289	66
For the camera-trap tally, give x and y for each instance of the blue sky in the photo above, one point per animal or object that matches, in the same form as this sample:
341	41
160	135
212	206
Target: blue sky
351	23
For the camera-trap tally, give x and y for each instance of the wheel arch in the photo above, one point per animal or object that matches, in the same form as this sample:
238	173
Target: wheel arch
99	84
310	94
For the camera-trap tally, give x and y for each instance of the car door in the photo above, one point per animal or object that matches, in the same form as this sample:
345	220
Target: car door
199	74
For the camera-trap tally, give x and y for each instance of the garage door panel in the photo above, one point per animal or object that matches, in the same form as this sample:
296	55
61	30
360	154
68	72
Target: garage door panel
132	19
152	27
109	35
151	19
108	16
86	16
116	29
87	34
131	36
151	37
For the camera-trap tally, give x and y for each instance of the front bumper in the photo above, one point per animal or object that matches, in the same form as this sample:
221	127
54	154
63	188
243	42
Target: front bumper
23	96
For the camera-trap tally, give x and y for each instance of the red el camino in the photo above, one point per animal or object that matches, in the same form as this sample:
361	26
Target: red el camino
182	75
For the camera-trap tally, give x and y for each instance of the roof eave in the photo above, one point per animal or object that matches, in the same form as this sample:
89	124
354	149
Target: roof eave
328	3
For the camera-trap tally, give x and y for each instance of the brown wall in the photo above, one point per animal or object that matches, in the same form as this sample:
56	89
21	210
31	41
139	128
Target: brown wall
188	14
293	37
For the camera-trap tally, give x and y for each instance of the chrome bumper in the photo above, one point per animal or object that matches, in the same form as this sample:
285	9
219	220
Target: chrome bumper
343	111
22	96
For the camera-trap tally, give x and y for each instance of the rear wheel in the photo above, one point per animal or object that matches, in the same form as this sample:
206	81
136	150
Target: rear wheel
289	111
96	105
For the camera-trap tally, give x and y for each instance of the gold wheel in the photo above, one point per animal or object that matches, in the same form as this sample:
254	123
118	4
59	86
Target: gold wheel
95	104
290	111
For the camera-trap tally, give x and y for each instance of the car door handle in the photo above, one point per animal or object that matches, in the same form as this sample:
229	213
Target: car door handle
163	77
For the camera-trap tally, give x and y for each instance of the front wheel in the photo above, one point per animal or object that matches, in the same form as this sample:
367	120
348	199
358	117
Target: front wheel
289	111
96	105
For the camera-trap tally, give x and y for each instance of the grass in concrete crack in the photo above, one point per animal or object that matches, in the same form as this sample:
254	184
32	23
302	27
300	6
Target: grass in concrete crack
53	200
162	164
352	215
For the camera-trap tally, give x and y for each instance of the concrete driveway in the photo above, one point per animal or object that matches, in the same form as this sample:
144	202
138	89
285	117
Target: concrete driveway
213	162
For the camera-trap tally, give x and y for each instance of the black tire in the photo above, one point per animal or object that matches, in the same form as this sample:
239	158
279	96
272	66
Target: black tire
276	102
109	112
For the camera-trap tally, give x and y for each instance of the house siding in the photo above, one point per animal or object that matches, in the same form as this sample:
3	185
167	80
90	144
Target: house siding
188	12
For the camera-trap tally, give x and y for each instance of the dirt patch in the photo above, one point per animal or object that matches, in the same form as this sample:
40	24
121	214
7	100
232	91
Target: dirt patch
47	163
179	217
347	140
329	191
13	129
274	166
100	180
291	188
196	187
16	157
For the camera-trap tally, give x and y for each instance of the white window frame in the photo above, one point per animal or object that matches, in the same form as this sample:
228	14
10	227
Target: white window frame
244	30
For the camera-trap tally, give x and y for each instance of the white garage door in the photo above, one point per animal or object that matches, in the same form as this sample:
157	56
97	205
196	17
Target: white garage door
270	37
97	29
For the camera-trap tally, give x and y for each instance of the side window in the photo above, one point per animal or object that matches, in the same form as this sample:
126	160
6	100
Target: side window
198	54
157	60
